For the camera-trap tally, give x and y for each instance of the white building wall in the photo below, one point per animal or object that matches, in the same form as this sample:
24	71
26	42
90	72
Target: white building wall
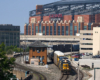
96	40
84	42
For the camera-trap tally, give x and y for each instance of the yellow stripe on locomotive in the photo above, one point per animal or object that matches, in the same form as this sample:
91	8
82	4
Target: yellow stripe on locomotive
65	66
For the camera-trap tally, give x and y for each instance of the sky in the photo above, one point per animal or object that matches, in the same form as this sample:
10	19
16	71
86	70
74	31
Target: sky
16	12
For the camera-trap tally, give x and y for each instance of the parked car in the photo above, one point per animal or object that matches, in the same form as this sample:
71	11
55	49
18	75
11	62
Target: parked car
96	56
76	55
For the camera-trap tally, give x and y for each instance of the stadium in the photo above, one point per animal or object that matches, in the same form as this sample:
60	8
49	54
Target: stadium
64	17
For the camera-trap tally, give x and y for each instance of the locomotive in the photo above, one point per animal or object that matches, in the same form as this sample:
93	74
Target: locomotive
62	62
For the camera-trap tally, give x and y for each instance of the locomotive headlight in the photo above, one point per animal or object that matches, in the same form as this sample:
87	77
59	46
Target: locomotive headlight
67	68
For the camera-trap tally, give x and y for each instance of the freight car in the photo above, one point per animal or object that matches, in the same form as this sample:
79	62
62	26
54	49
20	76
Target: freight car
62	62
66	47
62	48
50	52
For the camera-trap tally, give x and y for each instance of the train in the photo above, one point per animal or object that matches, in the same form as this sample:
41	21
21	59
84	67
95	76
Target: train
62	62
66	47
62	48
17	55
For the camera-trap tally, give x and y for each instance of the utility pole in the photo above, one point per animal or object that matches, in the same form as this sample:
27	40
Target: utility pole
71	51
94	71
78	70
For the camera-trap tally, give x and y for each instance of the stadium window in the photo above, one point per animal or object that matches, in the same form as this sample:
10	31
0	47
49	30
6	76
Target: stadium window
54	28
75	30
79	27
47	30
62	30
40	27
36	29
66	30
58	30
50	30
85	27
71	28
89	26
32	28
43	30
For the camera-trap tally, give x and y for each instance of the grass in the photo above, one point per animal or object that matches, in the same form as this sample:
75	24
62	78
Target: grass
88	69
35	76
41	76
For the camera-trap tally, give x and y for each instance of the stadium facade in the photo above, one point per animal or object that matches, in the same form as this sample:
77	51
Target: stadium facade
66	17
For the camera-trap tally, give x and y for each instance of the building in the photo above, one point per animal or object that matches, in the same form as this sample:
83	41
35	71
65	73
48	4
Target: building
90	41
10	35
86	41
63	17
96	41
38	50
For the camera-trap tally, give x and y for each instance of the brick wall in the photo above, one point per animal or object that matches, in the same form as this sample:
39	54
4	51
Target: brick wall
67	17
46	18
86	18
94	25
97	18
39	9
42	53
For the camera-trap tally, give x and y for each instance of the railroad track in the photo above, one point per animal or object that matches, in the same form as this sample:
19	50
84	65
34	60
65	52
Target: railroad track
64	77
39	75
73	75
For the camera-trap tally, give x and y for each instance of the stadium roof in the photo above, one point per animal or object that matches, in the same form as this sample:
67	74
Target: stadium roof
62	2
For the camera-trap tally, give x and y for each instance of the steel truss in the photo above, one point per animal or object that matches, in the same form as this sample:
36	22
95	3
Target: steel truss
68	9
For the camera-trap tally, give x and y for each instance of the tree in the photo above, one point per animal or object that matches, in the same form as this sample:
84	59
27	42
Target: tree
10	51
5	64
27	49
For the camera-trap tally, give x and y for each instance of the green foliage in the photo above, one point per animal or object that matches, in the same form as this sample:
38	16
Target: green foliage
27	49
10	51
5	64
13	48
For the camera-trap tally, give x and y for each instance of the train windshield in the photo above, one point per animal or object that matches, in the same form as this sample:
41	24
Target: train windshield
60	58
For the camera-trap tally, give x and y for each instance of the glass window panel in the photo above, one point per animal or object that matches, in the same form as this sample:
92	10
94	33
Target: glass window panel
36	29
27	29
32	28
50	30
40	27
71	27
89	26
85	27
54	28
47	30
43	30
75	30
62	30
66	30
58	30
79	27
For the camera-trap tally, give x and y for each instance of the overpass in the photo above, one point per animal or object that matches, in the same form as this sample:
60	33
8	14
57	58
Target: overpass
49	38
